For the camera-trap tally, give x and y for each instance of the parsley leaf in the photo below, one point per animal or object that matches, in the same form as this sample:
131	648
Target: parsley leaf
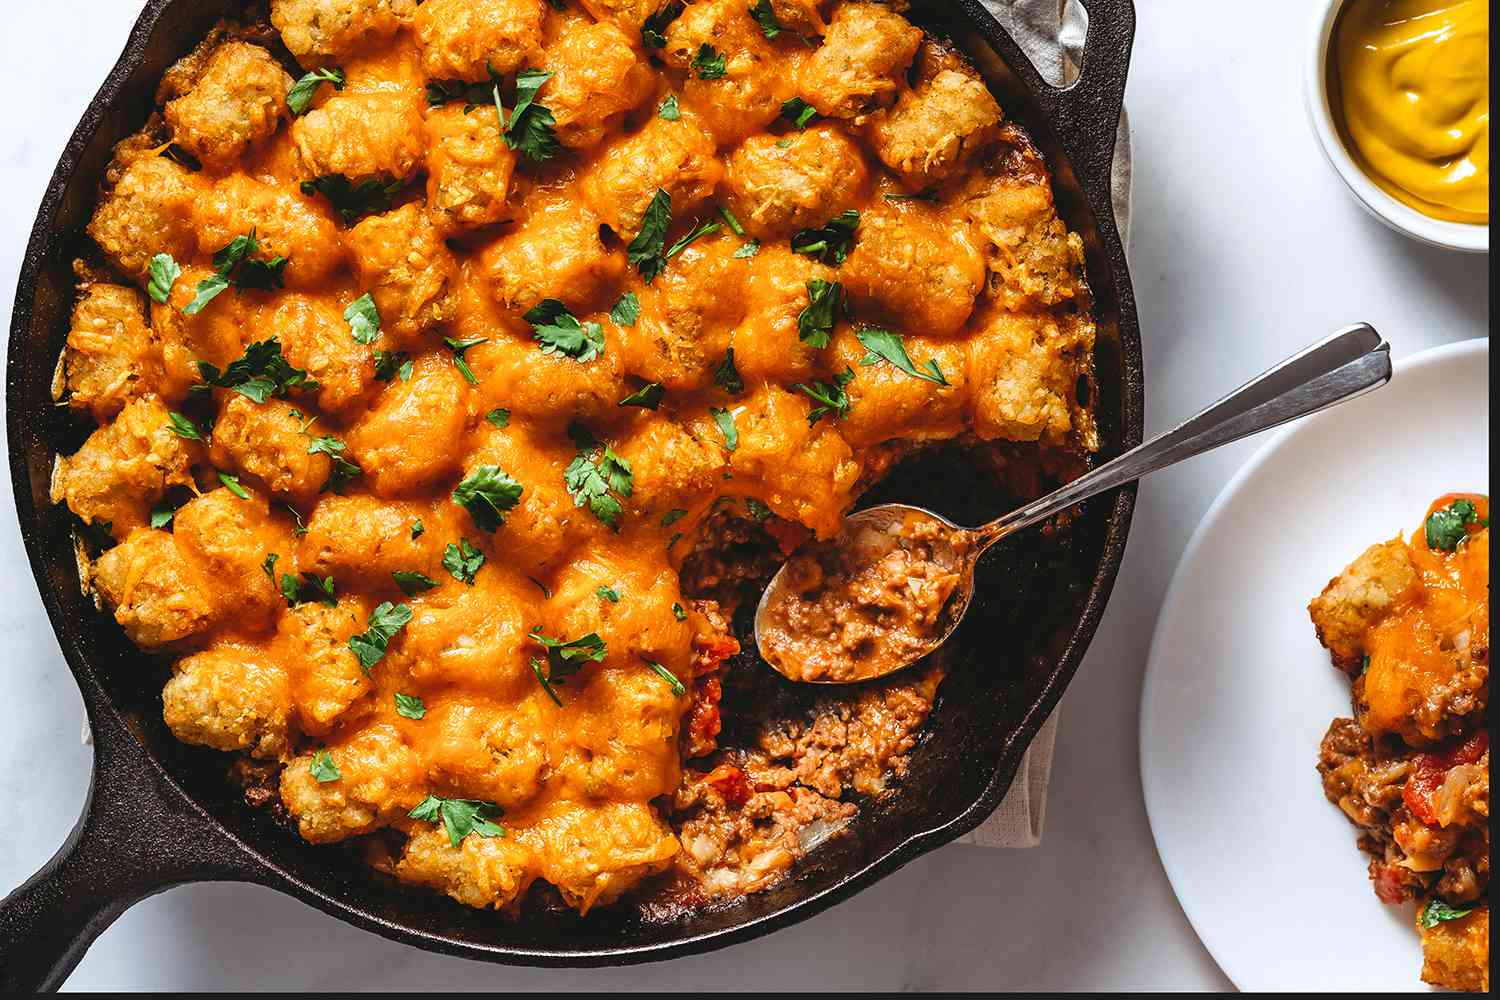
269	567
487	494
417	528
530	130
462	561
1446	528
232	484
730	221
798	112
698	230
183	427
409	706
307	590
351	200
564	658
825	306
342	470
648	396
829	395
363	319
594	474
677	611
162	514
460	817
389	364
832	242
609	594
885	345
385	621
750	249
645	251
1436	911
758	510
672	516
667	675
300	97
233	265
440	92
727	376
669	111
259	374
164	273
725	421
930	194
412	582
709	62
458	347
323	768
626	311
498	417
765	16
560	332
653	31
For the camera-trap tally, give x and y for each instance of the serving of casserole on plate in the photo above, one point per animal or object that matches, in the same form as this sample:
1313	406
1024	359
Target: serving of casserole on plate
462	368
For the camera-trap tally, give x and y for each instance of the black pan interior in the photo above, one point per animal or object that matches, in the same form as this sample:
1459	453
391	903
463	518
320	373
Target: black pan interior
1036	606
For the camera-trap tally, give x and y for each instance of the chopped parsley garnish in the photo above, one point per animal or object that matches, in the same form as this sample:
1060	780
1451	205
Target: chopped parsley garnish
269	567
162	514
727	376
730	221
564	659
259	374
609	594
1435	911
1446	528
530	129
560	332
342	470
832	242
322	767
440	92
698	231
462	561
353	201
626	311
724	420
412	582
487	494
233	265
594	475
798	112
765	16
307	590
183	427
677	611
458	347
886	345
645	251
181	157
232	484
759	511
672	516
708	63
653	31
929	194
409	706
667	675
460	817
300	97
417	528
648	396
669	111
825	307
363	319
385	621
829	396
389	364
498	417
750	249
164	273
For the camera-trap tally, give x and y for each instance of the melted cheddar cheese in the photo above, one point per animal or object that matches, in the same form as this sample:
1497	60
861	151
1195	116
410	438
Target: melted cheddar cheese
421	390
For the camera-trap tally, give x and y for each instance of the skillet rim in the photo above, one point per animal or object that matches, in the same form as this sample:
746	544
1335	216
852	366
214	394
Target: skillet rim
240	860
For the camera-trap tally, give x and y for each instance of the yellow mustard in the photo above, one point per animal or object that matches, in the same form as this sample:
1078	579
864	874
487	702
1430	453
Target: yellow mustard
1413	80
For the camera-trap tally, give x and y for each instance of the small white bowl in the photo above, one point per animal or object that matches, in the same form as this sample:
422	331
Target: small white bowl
1404	219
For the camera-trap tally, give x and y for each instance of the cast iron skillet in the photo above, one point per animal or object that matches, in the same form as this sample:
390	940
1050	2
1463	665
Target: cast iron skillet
161	813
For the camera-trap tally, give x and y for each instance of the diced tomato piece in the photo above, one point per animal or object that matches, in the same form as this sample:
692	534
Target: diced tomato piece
731	784
789	535
1429	770
1392	882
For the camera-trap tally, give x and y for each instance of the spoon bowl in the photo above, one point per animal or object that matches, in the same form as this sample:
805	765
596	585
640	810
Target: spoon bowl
895	582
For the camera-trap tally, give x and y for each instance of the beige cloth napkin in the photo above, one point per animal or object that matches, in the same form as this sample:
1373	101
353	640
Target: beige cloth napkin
1051	32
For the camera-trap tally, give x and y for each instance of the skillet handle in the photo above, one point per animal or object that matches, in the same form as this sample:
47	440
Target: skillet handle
135	838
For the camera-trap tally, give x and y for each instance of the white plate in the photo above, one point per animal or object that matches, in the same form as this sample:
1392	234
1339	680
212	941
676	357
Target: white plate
1238	692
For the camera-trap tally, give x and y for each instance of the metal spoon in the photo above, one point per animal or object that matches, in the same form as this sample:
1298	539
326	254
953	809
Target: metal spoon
808	634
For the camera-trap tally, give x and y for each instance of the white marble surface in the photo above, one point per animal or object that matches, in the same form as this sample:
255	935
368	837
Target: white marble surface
1245	247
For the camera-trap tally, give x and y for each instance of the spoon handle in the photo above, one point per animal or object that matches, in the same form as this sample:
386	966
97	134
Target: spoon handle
1343	366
